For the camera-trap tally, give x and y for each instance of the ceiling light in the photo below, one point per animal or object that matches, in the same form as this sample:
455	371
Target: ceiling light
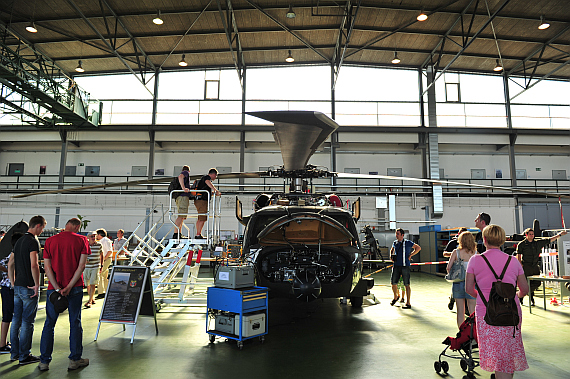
182	61
290	13
290	58
157	20
79	68
543	23
422	16
498	67
31	28
396	60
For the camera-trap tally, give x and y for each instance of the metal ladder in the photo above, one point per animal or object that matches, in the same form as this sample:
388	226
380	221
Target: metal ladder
173	274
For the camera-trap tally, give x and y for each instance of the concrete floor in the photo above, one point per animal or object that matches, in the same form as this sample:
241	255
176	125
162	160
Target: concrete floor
323	339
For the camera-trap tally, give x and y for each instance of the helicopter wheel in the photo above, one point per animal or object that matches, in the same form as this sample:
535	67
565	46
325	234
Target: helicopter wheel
356	301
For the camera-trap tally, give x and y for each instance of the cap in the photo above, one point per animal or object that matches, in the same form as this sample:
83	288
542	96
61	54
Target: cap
60	302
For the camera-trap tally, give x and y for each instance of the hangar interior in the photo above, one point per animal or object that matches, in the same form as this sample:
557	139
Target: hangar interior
102	92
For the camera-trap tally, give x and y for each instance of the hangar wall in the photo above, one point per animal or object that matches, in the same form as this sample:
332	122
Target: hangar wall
455	164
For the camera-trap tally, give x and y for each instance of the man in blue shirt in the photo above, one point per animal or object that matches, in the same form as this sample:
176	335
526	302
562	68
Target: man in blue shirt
400	253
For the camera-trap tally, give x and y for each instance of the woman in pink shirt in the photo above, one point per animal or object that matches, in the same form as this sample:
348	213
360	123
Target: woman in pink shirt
500	350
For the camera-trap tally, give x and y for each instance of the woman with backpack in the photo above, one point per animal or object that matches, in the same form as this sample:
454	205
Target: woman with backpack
500	342
466	249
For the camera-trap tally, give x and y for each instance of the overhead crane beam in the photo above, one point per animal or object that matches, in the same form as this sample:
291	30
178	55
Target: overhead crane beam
349	17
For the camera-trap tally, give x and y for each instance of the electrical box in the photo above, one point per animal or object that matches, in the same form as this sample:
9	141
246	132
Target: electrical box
234	277
252	325
225	323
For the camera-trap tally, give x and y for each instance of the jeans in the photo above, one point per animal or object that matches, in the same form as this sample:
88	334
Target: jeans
25	309
75	299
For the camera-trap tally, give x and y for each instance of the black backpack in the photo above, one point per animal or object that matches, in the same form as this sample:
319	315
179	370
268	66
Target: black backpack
502	309
174	185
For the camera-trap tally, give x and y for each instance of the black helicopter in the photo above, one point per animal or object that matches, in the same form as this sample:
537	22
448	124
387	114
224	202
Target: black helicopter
302	244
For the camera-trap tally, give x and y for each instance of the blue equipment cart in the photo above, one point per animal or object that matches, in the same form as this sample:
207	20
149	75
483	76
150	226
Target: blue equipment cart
238	314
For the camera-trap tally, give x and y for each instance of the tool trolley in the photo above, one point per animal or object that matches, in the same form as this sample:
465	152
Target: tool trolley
237	314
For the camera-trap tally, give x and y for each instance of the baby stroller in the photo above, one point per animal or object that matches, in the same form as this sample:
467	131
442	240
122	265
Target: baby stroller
462	347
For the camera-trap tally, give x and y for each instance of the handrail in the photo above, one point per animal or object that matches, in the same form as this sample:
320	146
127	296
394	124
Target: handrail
207	214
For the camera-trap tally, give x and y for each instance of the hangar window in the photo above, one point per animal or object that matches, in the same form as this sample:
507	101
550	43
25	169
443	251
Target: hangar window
452	94
212	90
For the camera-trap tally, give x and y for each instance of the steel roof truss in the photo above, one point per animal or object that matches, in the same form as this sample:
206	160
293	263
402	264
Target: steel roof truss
232	34
350	18
284	27
491	18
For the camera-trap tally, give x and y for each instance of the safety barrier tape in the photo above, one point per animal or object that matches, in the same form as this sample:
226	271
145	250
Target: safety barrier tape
413	264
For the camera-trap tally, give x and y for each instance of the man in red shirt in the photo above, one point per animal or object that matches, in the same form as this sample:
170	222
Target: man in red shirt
65	255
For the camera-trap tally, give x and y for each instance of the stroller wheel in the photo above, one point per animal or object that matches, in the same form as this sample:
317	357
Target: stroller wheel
445	366
437	366
492	376
463	364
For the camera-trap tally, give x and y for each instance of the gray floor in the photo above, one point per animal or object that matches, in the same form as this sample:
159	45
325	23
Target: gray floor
323	339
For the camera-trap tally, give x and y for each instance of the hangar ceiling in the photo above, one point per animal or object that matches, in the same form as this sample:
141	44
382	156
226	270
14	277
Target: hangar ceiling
111	36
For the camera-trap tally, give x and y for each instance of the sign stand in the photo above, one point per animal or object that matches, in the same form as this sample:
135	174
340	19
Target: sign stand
129	294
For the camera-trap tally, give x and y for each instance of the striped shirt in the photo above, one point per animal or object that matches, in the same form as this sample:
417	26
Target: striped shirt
93	260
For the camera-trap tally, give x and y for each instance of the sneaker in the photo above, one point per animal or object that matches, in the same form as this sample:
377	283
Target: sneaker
100	296
74	365
200	237
5	349
30	359
43	366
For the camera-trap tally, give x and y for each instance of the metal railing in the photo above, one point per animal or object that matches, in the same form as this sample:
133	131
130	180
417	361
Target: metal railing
30	183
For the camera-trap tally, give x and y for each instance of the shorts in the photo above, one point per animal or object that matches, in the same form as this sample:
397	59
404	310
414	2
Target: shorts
7	304
458	291
202	207
91	276
400	271
182	202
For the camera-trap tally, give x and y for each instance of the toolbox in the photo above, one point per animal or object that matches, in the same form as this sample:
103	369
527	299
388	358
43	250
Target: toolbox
234	277
252	325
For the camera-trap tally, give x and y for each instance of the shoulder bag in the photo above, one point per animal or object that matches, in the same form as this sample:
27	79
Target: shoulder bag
457	272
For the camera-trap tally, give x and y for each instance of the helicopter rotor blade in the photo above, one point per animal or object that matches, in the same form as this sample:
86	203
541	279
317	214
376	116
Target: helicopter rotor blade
447	182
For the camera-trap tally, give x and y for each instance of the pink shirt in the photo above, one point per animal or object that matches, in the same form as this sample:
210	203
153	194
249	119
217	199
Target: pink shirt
484	276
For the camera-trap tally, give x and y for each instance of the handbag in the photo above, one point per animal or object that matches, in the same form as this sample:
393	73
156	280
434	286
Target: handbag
457	272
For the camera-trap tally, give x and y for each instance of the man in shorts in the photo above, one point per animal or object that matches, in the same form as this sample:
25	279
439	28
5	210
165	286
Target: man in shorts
182	201
91	272
201	203
400	253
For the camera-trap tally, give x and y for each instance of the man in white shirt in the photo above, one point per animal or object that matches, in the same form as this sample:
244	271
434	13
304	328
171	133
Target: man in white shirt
118	244
107	247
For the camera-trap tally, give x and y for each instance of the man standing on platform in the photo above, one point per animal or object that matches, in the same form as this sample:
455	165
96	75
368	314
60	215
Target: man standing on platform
65	255
107	247
24	274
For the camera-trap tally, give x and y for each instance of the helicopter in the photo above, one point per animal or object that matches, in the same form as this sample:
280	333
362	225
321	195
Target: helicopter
303	244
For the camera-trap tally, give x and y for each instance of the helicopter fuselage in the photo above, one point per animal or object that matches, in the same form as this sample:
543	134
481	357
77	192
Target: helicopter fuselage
305	251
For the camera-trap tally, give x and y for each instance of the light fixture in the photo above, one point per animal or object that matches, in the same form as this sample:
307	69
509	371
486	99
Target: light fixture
396	60
157	20
79	68
422	16
290	58
498	67
290	13
182	61
32	28
543	23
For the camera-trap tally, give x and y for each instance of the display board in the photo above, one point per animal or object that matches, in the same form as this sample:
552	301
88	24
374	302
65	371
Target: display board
129	294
